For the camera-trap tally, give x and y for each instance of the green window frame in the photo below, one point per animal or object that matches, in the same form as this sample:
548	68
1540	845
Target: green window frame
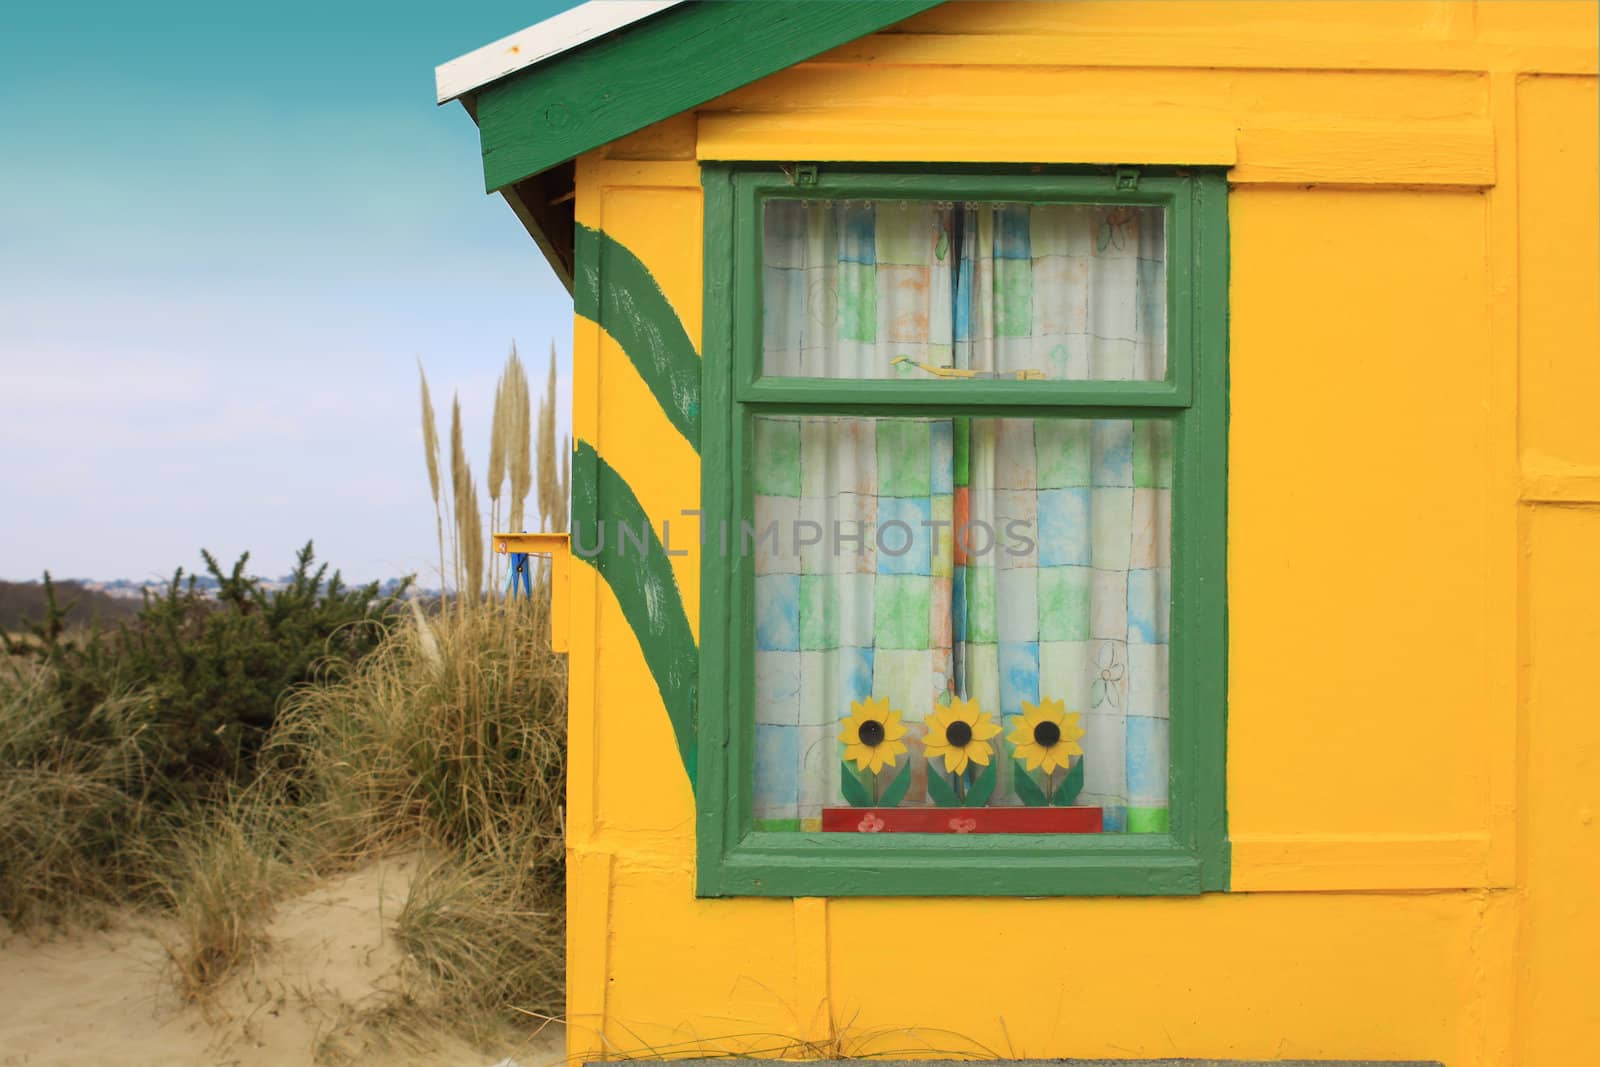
735	859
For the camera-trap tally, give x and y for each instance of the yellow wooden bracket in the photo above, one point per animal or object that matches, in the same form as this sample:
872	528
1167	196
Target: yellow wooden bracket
556	546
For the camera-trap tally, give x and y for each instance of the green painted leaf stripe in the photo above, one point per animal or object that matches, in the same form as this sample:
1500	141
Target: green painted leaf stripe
614	289
643	584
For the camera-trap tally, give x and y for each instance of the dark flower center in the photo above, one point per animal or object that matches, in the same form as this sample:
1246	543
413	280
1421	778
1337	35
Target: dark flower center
957	734
1046	734
871	733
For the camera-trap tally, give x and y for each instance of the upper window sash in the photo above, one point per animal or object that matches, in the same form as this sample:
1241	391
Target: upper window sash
752	189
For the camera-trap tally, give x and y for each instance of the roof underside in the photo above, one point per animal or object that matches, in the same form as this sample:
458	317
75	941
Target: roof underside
607	68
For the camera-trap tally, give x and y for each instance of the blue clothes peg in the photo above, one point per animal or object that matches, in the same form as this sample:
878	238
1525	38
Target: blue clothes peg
519	568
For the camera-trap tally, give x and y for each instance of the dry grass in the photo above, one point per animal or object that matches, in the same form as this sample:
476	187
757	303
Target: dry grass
80	836
451	738
219	874
486	933
453	731
518	437
430	448
469	522
71	814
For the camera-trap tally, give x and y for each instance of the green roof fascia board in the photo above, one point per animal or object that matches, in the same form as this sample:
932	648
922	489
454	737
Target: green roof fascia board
660	67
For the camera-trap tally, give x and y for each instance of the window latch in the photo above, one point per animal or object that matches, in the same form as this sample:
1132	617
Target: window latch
1127	179
805	174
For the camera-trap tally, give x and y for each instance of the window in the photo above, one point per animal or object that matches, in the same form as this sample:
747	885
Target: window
963	480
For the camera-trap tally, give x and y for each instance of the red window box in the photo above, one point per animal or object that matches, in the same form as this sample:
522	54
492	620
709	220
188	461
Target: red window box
1083	820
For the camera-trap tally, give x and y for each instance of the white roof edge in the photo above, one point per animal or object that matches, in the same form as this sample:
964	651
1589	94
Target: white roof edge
556	34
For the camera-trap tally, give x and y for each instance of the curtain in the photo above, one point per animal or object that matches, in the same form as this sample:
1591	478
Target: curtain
865	586
1072	291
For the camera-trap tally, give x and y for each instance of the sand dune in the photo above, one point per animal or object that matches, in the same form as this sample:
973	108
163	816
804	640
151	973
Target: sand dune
86	999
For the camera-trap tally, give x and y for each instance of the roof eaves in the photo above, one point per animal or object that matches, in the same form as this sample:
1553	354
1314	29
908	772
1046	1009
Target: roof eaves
640	73
526	48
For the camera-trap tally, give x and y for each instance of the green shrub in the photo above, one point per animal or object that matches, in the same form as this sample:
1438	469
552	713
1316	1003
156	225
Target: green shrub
213	668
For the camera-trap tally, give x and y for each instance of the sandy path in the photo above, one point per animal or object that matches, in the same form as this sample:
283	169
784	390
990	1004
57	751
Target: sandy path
102	998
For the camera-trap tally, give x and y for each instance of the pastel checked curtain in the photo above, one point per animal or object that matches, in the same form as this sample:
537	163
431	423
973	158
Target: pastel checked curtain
857	597
1072	291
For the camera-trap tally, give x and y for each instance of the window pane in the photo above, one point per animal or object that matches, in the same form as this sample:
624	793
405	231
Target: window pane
938	597
924	290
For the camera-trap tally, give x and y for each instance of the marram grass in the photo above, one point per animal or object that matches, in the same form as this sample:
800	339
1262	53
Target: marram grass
72	813
451	738
218	874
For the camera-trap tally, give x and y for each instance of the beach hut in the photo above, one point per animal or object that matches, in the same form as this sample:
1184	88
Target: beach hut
1084	524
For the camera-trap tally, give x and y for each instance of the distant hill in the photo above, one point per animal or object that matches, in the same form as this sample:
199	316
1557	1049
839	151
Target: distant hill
23	602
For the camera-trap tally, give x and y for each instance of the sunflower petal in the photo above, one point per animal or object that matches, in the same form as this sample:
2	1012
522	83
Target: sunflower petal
978	752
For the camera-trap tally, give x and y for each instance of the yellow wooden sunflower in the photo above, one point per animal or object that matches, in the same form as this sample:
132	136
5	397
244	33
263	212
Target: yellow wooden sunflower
871	734
1046	736
960	734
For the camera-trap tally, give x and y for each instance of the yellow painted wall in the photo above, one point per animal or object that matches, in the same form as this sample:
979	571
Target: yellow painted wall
1414	555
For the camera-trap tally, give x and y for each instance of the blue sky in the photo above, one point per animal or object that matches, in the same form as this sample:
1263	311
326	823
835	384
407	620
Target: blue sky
227	233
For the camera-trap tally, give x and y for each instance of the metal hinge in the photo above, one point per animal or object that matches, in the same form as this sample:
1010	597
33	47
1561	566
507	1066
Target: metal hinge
1127	179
